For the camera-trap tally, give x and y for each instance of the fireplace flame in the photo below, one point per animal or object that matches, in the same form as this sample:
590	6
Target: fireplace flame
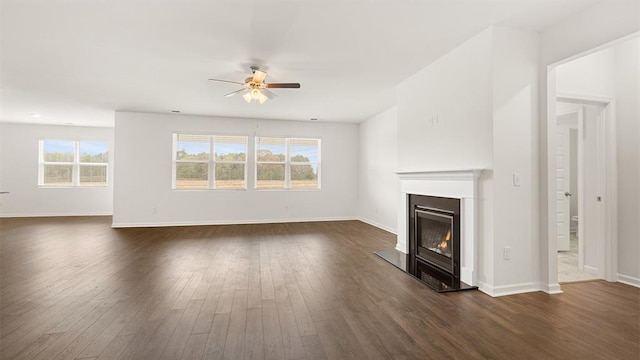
443	245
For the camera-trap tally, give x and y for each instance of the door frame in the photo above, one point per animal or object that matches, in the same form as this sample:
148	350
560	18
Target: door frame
607	183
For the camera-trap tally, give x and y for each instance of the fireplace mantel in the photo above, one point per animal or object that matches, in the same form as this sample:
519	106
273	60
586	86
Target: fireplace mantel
471	174
457	184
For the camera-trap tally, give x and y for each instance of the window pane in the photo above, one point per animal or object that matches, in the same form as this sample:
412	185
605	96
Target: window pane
304	150
229	176
58	175
304	176
230	148
192	147
270	149
93	175
58	151
270	176
192	176
94	152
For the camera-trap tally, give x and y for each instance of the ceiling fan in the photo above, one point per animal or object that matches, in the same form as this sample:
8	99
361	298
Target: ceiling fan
254	87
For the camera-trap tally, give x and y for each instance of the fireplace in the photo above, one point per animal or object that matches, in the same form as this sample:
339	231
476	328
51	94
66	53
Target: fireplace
431	204
434	240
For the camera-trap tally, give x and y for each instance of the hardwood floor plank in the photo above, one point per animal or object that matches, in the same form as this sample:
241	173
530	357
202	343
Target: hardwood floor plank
254	339
273	347
194	349
234	346
176	344
217	336
291	340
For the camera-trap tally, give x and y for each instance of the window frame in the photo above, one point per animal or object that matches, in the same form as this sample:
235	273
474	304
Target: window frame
76	165
211	163
287	164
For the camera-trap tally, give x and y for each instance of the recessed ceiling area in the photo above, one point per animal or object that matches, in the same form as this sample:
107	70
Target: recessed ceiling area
78	62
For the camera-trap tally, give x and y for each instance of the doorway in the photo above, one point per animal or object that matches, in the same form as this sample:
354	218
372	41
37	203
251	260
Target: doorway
579	229
567	83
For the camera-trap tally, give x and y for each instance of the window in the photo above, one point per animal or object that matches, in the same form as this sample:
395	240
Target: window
195	167
65	163
287	163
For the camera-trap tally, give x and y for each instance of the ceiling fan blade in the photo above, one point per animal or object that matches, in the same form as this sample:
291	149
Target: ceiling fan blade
258	76
270	94
284	86
227	81
234	92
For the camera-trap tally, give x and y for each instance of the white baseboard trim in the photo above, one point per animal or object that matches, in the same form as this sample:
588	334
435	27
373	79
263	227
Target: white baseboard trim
629	280
504	290
379	226
551	288
590	270
229	222
53	215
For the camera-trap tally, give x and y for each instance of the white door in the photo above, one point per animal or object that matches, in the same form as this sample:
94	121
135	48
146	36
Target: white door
562	187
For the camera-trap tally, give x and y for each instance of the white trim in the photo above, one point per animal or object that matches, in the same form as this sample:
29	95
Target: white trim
231	222
607	248
466	174
592	270
18	215
551	288
584	99
379	226
505	290
629	280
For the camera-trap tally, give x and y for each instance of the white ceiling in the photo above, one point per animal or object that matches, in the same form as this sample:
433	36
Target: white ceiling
78	61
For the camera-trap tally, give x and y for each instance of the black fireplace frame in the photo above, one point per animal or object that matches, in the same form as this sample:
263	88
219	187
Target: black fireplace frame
447	268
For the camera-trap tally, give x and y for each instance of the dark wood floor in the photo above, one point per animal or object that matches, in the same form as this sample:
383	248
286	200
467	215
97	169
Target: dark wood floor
73	288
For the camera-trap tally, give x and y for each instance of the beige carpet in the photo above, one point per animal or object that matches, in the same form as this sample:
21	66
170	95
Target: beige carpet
568	264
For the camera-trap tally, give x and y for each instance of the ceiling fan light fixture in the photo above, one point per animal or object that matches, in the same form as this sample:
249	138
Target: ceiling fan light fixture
254	87
258	76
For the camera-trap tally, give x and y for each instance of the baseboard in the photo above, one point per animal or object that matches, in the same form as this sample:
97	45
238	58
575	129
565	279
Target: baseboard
504	290
590	270
379	226
53	215
551	288
629	280
116	225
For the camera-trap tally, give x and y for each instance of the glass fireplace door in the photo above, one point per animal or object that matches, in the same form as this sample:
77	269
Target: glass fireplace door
434	237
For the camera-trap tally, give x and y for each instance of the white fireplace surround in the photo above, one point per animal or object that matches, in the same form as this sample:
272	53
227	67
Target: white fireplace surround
457	184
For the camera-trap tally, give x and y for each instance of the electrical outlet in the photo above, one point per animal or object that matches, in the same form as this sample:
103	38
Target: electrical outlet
507	253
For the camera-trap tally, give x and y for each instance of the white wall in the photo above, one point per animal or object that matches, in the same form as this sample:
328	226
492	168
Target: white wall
627	85
590	75
594	27
444	111
476	107
378	185
143	194
19	173
515	116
